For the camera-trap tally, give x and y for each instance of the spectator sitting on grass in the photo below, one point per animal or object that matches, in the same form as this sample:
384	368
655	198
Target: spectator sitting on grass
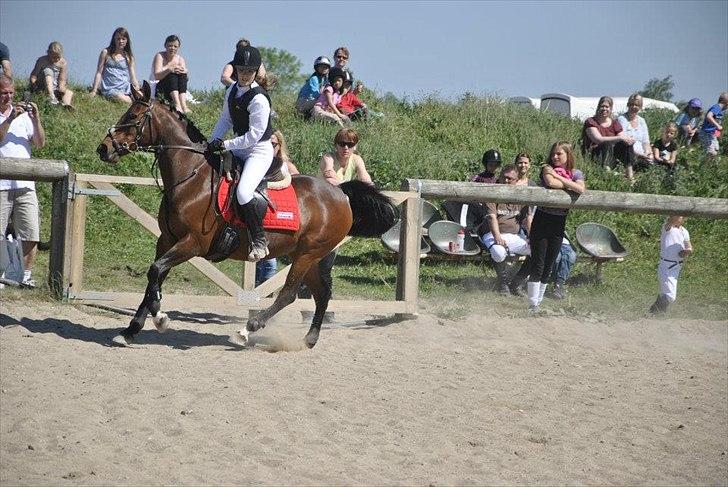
350	104
116	70
5	64
50	74
311	90
325	106
170	70
228	71
341	58
665	148
636	127
688	122
604	139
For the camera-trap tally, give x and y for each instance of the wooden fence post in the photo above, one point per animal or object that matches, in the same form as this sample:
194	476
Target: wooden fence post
76	243
408	267
57	271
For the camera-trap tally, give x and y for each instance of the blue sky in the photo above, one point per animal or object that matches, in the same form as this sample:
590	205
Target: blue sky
411	49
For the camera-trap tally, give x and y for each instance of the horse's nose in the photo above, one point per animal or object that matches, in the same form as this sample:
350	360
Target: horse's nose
103	152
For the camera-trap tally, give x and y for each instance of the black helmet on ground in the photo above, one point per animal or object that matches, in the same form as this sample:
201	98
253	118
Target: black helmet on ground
247	57
492	156
336	72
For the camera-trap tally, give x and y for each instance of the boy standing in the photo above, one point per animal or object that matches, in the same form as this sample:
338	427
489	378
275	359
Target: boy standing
712	126
674	248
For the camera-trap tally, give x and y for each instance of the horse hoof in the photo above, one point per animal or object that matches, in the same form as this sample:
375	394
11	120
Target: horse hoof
311	339
161	321
242	337
121	340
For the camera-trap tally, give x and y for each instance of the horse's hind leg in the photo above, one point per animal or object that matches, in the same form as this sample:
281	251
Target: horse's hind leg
321	290
287	295
182	251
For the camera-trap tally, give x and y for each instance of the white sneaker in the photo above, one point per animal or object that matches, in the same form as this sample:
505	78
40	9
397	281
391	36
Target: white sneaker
533	310
29	283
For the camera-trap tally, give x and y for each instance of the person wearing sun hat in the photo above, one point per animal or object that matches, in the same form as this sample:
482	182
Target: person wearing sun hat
688	121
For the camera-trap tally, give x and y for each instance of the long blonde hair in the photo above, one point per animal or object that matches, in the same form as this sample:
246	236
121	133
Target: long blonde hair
282	146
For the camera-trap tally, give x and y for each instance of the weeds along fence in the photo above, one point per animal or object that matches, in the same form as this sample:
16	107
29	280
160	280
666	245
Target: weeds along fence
68	235
57	173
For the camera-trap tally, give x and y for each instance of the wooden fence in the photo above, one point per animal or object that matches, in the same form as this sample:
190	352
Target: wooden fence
68	227
246	295
57	173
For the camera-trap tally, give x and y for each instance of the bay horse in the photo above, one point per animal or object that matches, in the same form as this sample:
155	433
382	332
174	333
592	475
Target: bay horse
189	221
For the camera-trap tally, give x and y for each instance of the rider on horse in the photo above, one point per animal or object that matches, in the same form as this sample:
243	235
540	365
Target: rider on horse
247	110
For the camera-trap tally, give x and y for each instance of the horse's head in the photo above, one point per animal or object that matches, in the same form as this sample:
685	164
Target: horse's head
132	131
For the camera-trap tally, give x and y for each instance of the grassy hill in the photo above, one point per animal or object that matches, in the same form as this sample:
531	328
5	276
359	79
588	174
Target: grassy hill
427	139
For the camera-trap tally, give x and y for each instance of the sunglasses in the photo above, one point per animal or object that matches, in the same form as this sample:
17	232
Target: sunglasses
346	144
341	57
275	144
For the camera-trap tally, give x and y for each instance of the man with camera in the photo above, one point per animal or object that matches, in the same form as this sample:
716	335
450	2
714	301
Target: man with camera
20	127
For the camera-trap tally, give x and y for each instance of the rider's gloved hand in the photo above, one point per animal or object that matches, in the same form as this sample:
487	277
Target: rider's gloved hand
215	146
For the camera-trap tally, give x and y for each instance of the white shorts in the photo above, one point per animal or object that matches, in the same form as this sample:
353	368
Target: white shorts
667	274
514	243
20	206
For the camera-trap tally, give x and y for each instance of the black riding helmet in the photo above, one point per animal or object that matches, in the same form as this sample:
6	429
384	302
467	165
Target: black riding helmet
348	78
336	72
491	156
247	57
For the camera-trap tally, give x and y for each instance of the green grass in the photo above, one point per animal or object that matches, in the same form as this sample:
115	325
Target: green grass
427	139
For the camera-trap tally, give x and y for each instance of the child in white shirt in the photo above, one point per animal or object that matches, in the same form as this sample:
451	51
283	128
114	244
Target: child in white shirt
675	246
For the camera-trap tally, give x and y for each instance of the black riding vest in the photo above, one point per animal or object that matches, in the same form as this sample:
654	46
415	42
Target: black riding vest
239	111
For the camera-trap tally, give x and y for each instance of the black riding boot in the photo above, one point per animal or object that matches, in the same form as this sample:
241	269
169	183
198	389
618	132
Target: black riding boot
253	213
515	286
501	271
660	305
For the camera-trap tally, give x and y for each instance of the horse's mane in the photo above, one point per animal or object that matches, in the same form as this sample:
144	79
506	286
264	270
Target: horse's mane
193	132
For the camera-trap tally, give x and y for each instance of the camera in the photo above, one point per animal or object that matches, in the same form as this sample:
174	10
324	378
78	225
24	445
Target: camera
26	103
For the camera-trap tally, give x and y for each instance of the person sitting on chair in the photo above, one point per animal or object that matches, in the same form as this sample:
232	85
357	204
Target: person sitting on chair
499	232
247	110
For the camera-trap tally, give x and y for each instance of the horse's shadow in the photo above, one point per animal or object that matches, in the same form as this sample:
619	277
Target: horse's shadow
181	339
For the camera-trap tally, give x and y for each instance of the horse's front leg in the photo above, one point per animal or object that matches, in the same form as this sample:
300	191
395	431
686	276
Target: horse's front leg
180	252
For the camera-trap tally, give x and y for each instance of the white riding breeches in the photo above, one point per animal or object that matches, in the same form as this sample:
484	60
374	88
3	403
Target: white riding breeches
667	274
514	243
257	161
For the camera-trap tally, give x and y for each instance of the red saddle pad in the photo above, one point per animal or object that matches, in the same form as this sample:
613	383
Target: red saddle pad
286	215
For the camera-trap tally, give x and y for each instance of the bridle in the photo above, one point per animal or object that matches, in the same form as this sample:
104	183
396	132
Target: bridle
123	148
138	126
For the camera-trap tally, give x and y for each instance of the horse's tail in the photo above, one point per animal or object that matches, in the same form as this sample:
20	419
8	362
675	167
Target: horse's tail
373	212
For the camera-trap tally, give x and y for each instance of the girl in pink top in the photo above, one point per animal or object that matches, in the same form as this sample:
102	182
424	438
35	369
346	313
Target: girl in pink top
325	107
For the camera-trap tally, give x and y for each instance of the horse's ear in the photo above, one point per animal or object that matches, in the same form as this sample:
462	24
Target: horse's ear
136	94
147	91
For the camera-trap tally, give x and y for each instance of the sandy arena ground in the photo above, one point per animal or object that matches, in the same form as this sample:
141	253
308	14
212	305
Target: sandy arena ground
481	400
